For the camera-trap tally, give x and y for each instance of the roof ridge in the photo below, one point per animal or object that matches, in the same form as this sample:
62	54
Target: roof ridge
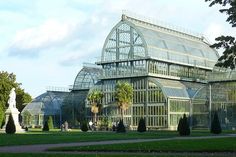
127	15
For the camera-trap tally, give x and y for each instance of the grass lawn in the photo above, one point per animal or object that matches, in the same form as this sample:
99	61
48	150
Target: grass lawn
39	137
197	145
80	155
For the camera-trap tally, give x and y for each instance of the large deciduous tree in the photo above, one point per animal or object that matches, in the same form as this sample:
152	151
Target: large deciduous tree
123	96
7	82
228	43
94	98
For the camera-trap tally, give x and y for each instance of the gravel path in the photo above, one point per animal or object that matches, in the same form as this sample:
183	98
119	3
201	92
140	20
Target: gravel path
42	148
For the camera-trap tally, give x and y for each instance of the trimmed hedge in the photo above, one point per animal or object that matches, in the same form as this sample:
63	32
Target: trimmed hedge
183	126
10	127
142	125
215	125
120	128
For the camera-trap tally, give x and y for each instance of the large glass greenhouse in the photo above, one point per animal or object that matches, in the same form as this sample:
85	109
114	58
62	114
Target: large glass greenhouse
167	68
171	71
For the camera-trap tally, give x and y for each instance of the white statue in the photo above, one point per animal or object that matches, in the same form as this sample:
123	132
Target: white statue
12	99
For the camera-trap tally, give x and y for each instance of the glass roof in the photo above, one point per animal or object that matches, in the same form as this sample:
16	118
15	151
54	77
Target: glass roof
48	103
156	42
178	89
177	48
86	78
171	89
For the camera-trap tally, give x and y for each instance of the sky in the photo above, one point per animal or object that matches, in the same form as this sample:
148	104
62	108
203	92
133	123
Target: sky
45	42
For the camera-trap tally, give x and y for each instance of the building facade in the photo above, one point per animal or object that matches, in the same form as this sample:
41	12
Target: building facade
166	67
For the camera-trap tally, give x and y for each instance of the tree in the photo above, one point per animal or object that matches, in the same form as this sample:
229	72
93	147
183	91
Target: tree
228	43
84	126
121	127
94	98
215	125
183	126
50	123
142	125
45	126
123	96
10	127
7	82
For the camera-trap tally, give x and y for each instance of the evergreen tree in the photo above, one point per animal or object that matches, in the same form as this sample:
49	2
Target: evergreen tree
45	126
120	127
10	127
183	127
180	125
215	125
142	125
50	123
84	126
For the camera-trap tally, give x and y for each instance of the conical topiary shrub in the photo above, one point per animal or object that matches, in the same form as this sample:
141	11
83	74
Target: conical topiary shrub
180	124
84	126
183	127
50	123
10	127
45	126
142	125
215	125
120	127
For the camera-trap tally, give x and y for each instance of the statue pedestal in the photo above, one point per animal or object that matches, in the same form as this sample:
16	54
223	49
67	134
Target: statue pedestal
15	116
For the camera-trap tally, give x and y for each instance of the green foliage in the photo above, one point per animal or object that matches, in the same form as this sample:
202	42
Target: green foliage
215	125
45	126
1	115
228	43
183	126
22	98
94	98
121	127
7	82
10	127
50	123
123	95
84	126
142	125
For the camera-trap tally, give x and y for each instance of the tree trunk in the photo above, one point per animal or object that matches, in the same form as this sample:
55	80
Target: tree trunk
122	115
95	117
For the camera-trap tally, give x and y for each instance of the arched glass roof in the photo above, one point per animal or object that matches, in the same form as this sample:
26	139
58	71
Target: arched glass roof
133	38
48	103
86	78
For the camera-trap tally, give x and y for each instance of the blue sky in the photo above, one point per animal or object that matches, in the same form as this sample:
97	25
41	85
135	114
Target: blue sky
46	42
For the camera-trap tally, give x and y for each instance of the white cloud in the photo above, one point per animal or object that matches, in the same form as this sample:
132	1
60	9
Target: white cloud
32	41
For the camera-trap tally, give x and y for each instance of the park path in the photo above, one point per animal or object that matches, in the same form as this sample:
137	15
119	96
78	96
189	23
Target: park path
42	148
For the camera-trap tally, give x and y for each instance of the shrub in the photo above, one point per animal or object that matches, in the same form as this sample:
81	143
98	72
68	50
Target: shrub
45	126
120	128
142	125
50	123
84	126
183	126
215	125
10	127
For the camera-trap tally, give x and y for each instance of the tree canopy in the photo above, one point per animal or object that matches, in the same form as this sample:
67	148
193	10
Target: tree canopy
123	95
7	82
228	43
94	98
